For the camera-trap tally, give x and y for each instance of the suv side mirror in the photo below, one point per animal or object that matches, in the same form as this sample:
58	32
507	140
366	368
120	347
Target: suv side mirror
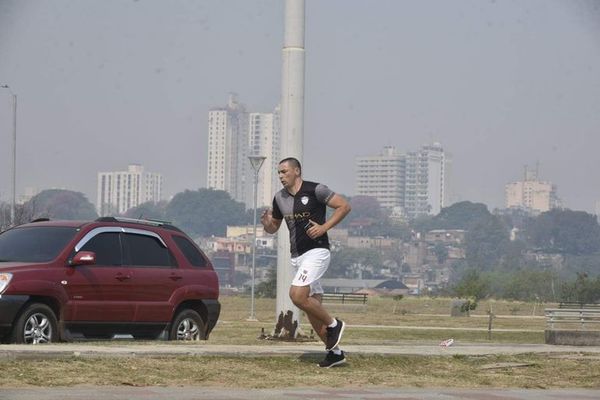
83	258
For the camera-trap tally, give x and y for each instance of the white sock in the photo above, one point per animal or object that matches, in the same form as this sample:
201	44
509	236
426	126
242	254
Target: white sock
333	324
336	350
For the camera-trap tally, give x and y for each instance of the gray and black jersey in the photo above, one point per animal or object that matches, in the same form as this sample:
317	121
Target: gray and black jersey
309	203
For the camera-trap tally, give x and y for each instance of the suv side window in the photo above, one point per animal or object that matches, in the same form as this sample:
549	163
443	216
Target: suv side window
190	251
147	251
107	247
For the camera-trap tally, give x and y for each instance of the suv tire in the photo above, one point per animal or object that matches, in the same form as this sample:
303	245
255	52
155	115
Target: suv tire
36	324
188	325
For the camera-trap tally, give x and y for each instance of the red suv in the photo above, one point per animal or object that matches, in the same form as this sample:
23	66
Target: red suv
111	276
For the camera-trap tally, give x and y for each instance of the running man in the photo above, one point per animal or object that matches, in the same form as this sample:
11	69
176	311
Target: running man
303	205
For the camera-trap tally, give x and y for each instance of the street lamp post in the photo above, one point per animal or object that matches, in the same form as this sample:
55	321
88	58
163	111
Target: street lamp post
14	155
256	162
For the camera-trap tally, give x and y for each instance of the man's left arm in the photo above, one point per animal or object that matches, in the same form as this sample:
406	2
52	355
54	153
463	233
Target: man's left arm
341	207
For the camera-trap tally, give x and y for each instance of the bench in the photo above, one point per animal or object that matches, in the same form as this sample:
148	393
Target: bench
573	323
572	317
345	298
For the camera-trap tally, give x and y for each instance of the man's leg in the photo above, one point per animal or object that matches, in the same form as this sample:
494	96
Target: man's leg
335	356
334	328
310	268
300	296
319	327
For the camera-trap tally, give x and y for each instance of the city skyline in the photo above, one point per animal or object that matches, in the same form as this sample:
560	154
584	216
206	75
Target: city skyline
119	191
234	134
409	183
500	84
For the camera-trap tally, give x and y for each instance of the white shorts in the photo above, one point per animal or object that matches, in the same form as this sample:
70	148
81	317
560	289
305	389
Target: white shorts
310	268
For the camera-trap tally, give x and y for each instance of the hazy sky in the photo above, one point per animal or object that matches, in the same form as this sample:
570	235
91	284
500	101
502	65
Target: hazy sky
500	84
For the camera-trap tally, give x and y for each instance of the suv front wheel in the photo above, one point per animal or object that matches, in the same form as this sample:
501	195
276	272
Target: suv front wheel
35	325
188	325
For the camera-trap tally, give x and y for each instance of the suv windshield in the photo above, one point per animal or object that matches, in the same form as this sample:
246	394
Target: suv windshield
34	244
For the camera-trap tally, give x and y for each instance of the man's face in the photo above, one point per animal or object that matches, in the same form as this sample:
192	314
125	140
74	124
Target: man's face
288	174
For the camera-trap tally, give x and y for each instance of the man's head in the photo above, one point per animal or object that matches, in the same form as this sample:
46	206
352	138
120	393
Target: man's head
289	171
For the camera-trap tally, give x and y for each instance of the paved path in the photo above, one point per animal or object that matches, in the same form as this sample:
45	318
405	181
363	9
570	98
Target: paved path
197	393
83	349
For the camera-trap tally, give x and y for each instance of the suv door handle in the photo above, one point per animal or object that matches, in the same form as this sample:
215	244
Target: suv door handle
122	277
175	277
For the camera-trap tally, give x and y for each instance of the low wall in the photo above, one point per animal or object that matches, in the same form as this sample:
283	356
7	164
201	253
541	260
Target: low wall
572	338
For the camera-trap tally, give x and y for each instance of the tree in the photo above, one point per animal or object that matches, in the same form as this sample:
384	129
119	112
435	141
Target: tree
369	219
486	242
205	212
364	207
512	258
564	231
422	223
240	277
587	264
249	217
385	227
441	252
366	211
583	290
149	210
268	288
60	204
472	285
4	216
529	284
462	215
349	262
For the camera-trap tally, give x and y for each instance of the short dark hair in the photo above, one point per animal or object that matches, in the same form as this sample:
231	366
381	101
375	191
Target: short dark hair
293	162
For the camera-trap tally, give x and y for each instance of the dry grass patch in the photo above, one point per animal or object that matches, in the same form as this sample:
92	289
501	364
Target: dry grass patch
532	371
431	316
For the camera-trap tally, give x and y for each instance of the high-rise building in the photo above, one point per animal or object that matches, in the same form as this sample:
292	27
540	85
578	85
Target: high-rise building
264	140
425	172
383	177
227	131
233	135
451	195
531	193
412	182
121	190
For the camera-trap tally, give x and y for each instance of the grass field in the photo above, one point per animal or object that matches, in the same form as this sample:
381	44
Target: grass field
527	371
418	320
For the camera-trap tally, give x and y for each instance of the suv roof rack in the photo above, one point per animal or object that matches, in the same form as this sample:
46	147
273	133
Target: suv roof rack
43	219
152	222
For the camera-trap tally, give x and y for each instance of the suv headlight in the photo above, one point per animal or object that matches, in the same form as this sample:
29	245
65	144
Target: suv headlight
4	281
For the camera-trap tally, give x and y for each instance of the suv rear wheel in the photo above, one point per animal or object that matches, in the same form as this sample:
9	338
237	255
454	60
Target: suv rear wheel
188	325
35	325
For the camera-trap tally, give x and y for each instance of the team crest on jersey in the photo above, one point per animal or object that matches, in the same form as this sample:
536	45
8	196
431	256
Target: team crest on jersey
304	200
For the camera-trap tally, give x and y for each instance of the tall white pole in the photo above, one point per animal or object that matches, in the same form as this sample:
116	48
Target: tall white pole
14	162
256	162
292	141
252	311
14	155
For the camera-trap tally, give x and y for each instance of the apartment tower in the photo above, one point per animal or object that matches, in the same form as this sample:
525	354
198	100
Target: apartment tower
413	183
233	135
119	191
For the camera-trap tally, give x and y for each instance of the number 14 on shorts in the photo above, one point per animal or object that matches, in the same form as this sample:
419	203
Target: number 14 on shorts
303	275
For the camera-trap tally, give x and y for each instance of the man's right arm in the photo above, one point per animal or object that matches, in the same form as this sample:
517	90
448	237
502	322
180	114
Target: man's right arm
270	224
